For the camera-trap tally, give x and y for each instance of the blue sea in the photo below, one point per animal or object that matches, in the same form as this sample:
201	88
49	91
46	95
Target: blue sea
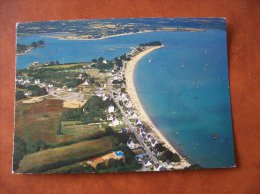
184	89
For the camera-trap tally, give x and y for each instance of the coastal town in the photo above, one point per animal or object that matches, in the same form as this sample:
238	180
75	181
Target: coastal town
124	113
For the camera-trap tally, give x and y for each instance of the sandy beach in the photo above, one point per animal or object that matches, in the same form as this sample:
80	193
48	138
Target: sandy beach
130	88
71	37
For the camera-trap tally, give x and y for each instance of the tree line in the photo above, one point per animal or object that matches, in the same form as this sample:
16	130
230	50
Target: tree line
153	43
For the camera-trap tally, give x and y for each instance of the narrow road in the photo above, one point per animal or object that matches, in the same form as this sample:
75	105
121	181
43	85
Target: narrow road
133	130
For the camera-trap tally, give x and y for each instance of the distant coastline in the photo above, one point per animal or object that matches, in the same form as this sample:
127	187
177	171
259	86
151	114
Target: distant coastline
85	37
131	90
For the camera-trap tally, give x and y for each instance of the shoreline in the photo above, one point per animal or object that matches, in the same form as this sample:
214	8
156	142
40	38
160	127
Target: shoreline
25	52
101	38
71	37
131	90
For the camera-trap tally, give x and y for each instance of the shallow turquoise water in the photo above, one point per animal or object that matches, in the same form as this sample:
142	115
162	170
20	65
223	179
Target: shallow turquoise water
187	102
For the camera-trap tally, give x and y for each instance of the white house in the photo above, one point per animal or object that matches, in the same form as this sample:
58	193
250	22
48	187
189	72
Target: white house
158	167
153	142
104	61
42	85
116	77
111	109
131	144
115	122
110	118
80	76
99	94
149	138
105	97
70	90
50	86
37	81
138	122
28	93
147	163
134	116
26	81
85	83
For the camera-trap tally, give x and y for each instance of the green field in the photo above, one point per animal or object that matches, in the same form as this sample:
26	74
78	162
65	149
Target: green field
49	135
66	66
65	155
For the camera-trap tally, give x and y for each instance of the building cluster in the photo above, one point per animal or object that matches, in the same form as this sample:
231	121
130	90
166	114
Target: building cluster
50	88
146	135
146	138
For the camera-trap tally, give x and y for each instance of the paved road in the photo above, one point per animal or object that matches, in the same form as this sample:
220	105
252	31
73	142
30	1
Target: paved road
133	129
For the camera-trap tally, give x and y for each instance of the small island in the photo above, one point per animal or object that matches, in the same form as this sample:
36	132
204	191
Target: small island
22	48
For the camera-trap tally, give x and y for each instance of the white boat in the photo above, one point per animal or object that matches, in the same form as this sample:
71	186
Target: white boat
150	60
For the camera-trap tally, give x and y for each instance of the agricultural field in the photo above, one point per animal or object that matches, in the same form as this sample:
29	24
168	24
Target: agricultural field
58	131
65	155
38	121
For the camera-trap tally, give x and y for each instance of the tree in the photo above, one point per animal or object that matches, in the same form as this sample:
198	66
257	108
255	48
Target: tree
119	62
58	128
100	59
19	95
101	166
153	43
103	66
41	43
160	148
129	155
94	60
36	90
36	146
73	83
109	131
176	158
20	48
19	151
116	82
70	114
34	44
95	103
91	80
168	155
112	163
52	63
122	137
